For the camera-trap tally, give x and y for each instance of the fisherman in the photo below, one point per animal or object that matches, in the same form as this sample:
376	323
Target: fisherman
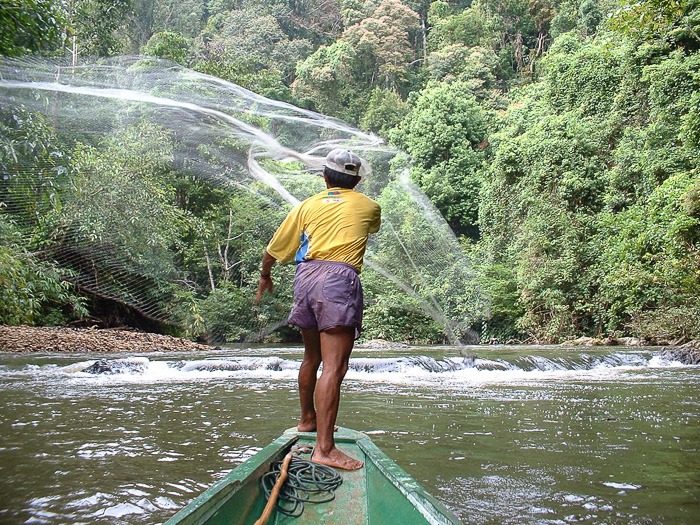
326	235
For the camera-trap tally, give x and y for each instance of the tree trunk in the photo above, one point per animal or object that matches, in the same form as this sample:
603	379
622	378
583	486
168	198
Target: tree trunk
211	275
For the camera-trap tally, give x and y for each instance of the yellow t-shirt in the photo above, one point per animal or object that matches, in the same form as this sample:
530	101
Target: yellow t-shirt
333	225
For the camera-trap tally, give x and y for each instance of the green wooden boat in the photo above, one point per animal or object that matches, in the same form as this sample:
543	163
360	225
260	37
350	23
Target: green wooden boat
380	493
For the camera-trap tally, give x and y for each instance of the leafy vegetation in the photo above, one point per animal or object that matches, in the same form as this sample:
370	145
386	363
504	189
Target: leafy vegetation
559	139
29	25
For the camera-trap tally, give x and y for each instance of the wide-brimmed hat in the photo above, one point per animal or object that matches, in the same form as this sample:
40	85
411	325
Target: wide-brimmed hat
344	161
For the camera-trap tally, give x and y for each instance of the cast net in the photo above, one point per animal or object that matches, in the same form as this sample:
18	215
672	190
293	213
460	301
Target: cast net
158	187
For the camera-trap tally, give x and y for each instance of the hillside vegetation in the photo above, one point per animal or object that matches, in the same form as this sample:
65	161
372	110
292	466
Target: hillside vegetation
559	139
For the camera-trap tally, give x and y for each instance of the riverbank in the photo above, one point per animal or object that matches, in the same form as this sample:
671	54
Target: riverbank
30	339
33	339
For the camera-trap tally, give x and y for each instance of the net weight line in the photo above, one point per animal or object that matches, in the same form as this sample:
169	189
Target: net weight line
307	483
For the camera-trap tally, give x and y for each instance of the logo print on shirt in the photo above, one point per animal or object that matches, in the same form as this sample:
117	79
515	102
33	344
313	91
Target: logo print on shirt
334	192
333	200
305	246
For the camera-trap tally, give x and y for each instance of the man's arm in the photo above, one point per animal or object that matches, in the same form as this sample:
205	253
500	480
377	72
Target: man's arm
265	284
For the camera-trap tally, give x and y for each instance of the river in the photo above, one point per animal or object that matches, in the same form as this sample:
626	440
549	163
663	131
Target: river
527	434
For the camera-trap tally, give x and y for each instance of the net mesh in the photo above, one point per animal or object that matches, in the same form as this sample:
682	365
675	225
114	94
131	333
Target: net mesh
142	180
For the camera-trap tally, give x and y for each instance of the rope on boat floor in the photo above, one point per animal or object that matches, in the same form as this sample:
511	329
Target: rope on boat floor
307	483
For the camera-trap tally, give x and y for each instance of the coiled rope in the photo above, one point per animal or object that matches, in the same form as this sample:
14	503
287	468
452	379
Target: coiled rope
307	482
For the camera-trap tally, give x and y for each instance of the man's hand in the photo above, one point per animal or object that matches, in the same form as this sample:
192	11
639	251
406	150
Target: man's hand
265	285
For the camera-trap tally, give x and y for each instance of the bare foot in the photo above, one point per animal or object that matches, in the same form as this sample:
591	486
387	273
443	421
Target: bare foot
307	425
337	459
310	426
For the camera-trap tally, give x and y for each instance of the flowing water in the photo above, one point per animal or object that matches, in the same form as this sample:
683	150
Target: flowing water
500	435
534	434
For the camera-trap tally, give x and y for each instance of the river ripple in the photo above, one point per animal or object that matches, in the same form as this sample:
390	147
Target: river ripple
526	435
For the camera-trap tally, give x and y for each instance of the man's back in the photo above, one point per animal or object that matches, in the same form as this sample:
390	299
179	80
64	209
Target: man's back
333	225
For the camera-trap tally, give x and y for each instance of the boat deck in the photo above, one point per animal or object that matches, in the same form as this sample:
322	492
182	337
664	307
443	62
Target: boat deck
353	489
380	493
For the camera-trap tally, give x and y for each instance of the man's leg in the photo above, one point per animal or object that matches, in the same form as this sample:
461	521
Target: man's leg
336	346
307	378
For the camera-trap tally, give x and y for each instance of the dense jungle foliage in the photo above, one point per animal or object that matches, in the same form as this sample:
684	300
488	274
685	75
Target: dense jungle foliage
559	138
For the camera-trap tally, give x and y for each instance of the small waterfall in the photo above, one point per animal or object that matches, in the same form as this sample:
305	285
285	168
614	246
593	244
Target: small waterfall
582	361
503	366
245	363
450	369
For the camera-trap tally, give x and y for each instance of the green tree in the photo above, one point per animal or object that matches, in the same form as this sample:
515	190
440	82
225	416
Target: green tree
589	17
32	291
649	264
445	133
383	40
258	38
30	25
677	20
384	112
565	18
338	78
139	24
588	193
470	27
96	26
475	66
327	80
170	46
184	17
32	163
582	76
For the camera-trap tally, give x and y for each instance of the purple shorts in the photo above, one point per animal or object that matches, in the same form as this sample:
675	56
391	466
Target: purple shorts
327	294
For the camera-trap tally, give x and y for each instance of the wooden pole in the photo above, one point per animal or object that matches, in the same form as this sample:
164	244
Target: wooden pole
275	490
